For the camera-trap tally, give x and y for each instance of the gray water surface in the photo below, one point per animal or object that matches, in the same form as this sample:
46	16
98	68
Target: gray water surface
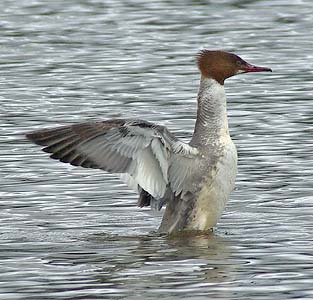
71	233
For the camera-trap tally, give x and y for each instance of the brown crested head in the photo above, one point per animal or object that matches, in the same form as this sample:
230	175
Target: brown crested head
221	65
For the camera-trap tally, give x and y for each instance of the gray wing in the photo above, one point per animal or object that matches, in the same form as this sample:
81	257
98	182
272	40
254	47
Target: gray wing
143	151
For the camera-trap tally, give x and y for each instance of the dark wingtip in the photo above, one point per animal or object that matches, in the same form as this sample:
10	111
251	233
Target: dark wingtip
28	135
32	136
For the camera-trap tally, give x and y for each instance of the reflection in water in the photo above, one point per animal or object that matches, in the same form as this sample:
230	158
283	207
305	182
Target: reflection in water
160	263
64	62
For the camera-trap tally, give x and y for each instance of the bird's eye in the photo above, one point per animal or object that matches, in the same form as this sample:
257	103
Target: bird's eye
239	63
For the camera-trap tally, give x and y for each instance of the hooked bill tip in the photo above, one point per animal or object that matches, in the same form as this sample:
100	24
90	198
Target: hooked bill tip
252	68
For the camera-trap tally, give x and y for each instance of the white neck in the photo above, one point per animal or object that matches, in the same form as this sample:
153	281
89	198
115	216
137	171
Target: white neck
211	123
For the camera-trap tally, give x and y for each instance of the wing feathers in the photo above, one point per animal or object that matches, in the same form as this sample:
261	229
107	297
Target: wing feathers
141	149
48	136
64	146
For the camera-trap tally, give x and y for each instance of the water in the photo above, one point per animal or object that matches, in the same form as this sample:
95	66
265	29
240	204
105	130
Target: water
70	233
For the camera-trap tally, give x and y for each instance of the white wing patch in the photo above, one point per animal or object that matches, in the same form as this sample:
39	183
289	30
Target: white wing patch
147	172
130	181
180	171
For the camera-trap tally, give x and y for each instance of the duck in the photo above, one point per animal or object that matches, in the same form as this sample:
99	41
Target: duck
192	180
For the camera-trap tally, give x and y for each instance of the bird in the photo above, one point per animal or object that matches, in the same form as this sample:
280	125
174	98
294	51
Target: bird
192	180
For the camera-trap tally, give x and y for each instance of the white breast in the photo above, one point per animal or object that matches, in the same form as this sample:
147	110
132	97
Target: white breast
215	192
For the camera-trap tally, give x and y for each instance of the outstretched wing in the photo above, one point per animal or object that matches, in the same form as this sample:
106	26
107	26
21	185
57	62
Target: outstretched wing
138	148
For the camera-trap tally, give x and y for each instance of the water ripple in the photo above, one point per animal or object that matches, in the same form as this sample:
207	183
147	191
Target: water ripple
71	233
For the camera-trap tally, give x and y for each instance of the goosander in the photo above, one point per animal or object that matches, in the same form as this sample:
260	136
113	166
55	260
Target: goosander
193	179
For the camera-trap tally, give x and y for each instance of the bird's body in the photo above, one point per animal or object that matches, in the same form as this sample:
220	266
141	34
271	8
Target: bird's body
194	180
213	171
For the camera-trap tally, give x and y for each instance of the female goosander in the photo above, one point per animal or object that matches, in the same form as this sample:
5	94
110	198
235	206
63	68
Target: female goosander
194	180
